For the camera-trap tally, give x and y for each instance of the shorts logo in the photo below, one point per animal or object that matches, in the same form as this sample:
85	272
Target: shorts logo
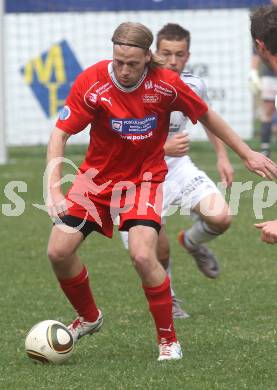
148	98
65	113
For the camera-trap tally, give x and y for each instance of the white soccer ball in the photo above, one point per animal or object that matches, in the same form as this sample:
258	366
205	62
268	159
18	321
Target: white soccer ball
49	341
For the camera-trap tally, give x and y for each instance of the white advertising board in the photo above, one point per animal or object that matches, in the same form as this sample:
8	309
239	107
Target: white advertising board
45	52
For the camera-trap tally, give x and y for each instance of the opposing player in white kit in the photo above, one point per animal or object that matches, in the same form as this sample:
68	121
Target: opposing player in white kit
186	185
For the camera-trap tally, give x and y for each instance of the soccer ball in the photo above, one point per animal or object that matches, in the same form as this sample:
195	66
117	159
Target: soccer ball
49	341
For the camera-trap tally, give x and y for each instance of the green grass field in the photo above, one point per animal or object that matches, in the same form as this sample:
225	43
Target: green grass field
230	341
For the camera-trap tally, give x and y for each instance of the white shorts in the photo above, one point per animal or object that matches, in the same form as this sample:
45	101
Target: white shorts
268	88
185	187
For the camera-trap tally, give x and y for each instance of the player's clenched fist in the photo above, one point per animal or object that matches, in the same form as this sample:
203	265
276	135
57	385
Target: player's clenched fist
56	205
177	145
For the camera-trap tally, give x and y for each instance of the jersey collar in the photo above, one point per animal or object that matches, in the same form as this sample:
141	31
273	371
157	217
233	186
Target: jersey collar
121	87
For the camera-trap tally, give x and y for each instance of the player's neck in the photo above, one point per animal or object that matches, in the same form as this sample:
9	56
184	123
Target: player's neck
122	87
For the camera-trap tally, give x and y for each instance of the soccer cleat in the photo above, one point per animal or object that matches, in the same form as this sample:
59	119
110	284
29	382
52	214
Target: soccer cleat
266	152
177	311
169	351
204	258
80	328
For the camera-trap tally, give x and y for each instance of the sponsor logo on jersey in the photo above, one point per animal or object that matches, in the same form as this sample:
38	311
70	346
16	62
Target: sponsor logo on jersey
163	90
104	88
109	100
151	98
117	125
92	97
134	128
148	84
65	113
137	137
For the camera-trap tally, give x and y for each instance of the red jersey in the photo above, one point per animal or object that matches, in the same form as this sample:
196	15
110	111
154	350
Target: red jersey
129	126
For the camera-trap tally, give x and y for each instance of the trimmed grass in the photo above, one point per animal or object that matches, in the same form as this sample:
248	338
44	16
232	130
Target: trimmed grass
230	341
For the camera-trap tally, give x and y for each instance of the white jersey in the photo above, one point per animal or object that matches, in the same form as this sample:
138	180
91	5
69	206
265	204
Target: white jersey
185	184
178	121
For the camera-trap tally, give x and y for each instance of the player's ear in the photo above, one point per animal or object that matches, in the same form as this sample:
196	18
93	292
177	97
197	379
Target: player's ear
148	56
260	45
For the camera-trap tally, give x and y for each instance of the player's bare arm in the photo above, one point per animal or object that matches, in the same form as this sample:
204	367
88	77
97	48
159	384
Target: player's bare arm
254	161
224	166
177	145
55	200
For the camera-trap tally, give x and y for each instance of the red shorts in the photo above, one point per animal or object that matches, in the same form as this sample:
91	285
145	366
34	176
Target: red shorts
131	202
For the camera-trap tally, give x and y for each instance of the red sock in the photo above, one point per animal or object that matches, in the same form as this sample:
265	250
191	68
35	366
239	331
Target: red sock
80	296
160	305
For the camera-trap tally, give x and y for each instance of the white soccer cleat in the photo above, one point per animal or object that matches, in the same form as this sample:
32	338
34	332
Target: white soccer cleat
80	328
169	351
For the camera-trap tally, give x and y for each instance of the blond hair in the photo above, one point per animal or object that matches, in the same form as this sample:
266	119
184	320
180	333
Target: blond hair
136	35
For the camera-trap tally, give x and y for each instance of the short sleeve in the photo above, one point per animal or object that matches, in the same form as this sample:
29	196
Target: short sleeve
188	101
76	115
199	87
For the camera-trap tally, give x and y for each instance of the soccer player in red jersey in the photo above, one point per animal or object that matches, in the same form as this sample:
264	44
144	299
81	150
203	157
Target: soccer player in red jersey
184	181
127	103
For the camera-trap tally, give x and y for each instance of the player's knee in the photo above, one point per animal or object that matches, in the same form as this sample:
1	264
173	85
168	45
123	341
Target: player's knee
221	222
225	222
57	254
140	259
